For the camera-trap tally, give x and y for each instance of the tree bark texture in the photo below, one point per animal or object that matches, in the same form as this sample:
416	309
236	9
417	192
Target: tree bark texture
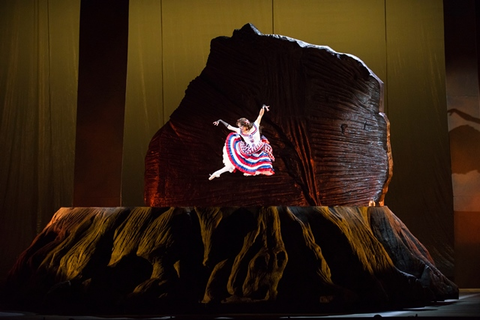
224	259
326	125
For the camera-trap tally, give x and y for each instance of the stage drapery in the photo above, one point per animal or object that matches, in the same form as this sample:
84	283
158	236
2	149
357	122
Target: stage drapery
38	97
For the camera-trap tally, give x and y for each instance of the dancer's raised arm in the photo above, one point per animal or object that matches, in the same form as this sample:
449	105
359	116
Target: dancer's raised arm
229	127
261	113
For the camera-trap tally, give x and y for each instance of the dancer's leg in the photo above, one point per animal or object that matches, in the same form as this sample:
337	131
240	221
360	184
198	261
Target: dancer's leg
217	173
229	167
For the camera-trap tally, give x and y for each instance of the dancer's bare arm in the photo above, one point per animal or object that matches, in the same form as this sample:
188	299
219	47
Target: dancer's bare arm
229	127
261	113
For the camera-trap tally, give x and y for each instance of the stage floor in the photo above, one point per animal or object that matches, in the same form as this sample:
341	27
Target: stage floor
467	306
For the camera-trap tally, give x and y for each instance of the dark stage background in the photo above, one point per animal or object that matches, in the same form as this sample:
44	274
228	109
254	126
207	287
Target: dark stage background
78	75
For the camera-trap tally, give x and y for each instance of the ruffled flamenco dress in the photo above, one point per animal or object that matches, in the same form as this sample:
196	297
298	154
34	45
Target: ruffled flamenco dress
250	154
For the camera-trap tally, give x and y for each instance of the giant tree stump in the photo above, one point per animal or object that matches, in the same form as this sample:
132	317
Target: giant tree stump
224	259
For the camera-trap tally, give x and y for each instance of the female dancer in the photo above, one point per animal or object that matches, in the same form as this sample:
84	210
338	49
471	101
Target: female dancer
245	149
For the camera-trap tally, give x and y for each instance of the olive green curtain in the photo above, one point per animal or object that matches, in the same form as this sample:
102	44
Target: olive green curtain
421	189
38	95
